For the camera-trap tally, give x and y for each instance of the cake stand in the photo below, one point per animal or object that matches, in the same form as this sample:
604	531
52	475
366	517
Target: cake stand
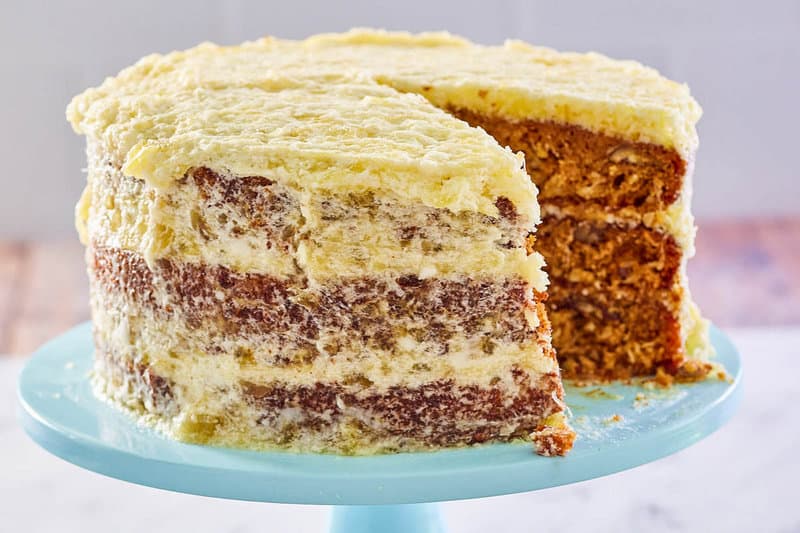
619	427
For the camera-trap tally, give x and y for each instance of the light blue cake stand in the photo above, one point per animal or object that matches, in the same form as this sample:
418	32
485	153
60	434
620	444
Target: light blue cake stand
59	411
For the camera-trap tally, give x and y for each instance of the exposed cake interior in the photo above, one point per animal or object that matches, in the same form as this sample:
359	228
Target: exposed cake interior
616	235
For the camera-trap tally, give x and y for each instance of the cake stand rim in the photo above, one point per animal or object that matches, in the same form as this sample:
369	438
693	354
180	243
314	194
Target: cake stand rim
353	480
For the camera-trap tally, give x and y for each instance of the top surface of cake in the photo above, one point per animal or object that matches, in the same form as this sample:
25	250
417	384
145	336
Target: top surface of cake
620	98
610	144
516	79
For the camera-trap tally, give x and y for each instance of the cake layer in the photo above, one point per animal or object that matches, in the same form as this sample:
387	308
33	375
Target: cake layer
349	418
249	224
616	299
573	166
259	225
352	234
280	322
213	359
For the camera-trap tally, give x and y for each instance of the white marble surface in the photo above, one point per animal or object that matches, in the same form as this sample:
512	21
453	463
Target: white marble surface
743	478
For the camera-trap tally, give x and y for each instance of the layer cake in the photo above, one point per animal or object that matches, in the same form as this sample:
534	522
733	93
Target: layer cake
328	245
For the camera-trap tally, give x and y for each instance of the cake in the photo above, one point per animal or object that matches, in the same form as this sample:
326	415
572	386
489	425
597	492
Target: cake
330	245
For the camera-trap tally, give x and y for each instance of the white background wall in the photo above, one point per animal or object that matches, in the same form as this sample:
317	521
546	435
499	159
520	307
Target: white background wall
742	61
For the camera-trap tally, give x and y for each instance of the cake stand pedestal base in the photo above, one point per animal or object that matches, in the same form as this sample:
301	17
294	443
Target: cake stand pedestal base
416	518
